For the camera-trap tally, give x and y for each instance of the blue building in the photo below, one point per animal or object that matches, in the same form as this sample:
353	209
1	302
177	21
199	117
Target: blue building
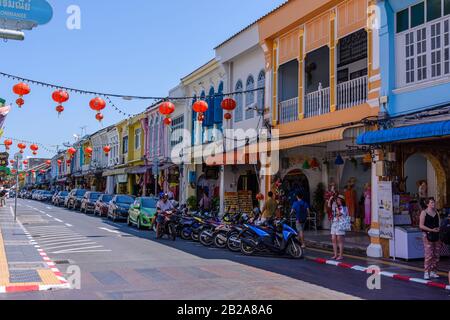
412	144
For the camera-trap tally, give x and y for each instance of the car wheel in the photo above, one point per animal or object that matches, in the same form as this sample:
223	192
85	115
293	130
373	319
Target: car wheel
139	223
114	218
128	222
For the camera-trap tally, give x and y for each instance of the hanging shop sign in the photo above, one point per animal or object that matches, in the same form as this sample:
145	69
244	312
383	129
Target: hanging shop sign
4	159
385	210
25	14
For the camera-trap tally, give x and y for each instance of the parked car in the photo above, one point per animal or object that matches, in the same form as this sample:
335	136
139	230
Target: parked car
142	212
75	197
102	204
61	198
34	194
119	206
88	202
45	196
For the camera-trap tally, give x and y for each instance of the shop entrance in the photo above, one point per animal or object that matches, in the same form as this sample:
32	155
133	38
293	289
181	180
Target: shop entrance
293	183
421	176
249	182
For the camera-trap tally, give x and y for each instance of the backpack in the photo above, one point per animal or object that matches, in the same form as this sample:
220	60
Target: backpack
445	232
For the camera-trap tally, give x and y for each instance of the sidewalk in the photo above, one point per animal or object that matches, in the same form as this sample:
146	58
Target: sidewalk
356	243
23	265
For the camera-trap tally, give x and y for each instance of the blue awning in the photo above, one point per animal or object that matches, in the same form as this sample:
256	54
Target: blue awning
427	130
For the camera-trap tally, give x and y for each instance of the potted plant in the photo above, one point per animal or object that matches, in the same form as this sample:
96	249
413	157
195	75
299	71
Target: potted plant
192	203
319	202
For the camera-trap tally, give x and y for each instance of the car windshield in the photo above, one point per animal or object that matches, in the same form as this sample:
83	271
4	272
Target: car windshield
64	193
80	193
107	198
125	199
148	203
94	196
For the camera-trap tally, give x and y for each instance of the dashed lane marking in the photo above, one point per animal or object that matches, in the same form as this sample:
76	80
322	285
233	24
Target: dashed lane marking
109	230
69	225
58	220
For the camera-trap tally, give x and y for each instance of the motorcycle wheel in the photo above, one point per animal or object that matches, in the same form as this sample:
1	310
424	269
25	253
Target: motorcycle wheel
159	231
154	227
173	232
218	242
205	239
194	236
185	234
233	243
246	249
295	250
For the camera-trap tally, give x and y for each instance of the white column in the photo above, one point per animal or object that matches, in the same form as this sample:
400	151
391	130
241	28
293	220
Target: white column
222	191
374	250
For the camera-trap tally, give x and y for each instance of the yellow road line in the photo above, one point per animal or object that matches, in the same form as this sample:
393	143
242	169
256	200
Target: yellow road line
4	270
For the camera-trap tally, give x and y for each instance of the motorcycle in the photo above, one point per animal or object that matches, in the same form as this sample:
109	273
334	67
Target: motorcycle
276	237
166	225
220	234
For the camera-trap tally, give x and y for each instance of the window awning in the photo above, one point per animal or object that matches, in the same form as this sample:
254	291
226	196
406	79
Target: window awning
419	131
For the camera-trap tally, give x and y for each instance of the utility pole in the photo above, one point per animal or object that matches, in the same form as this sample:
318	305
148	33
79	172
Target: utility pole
17	157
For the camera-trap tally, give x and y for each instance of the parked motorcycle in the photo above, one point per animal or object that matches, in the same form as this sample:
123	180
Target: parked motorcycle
276	237
166	225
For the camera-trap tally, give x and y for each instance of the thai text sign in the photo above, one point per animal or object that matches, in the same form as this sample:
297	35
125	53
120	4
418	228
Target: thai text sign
34	11
385	210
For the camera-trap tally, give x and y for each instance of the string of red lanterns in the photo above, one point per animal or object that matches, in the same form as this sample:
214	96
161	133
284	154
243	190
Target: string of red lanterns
21	89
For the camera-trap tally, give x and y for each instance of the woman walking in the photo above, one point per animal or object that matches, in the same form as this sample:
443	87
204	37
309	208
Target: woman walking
340	224
429	224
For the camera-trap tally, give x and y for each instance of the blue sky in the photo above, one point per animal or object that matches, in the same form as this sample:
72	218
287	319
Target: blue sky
134	47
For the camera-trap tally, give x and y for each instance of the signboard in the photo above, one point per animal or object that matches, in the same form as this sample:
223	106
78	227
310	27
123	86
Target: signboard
25	14
4	159
385	210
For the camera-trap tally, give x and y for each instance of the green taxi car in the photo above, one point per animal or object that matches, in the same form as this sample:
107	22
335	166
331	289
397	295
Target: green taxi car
141	212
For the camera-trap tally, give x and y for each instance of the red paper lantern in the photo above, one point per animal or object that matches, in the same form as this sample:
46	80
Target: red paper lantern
200	106
34	148
27	174
88	151
25	162
48	162
68	162
12	161
106	149
21	89
59	162
43	171
167	121
201	117
97	104
33	171
22	147
8	143
259	197
99	117
228	104
227	116
60	96
71	151
13	171
166	108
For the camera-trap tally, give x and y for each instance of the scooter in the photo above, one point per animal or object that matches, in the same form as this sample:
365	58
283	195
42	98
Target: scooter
277	237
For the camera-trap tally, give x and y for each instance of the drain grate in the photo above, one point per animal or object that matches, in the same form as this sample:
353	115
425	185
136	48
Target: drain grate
62	262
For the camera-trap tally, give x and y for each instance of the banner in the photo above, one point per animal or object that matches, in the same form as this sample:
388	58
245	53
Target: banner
385	210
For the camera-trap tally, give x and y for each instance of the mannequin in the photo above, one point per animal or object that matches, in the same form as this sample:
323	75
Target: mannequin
350	198
367	205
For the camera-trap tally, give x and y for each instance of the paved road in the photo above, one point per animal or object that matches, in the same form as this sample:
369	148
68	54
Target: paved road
120	262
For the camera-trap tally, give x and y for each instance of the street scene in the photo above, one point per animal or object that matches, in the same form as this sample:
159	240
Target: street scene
298	152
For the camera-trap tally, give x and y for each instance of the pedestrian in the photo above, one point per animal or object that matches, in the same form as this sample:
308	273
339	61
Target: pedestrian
430	225
2	198
301	210
340	224
269	208
205	203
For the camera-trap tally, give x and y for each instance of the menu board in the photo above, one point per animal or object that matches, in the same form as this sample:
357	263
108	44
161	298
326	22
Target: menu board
238	201
385	210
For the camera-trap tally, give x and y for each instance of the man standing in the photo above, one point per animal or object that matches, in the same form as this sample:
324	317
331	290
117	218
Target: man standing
301	210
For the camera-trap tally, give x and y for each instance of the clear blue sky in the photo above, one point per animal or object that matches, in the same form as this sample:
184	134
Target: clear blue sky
135	47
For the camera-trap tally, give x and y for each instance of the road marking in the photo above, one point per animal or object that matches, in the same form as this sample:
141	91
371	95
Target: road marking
49	208
70	245
74	240
43	212
49	216
61	240
76	249
109	230
81	251
58	220
69	225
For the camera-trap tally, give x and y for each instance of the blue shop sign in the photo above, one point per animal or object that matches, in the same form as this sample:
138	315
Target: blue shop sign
35	11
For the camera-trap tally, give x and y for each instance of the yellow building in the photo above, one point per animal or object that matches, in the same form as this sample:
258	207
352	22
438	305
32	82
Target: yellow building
323	58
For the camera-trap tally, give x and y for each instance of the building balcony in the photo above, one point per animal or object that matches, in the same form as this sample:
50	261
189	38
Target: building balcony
352	93
288	110
317	102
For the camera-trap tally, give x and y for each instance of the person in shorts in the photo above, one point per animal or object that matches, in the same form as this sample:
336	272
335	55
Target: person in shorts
337	234
301	209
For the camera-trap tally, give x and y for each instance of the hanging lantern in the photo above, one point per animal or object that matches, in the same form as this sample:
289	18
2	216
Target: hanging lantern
367	159
339	161
72	152
88	151
34	148
8	143
60	96
48	162
228	104
306	165
314	163
27	174
68	162
98	104
25	162
99	117
12	161
200	107
260	197
106	150
13	171
21	89
22	147
167	121
59	162
227	116
33	171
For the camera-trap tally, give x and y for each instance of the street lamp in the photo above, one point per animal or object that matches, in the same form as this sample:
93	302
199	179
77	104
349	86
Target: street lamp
12	34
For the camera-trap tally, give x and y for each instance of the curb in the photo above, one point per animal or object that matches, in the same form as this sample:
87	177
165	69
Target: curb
384	273
63	283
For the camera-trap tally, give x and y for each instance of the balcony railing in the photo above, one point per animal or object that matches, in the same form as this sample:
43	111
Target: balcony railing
288	110
352	93
317	102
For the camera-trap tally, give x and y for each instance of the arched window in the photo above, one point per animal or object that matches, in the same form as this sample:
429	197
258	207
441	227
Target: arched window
218	112
239	102
209	116
249	97
260	93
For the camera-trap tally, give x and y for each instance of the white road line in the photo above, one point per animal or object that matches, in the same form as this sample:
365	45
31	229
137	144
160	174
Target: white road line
49	242
43	212
49	216
69	225
64	242
81	251
58	220
72	250
109	230
49	208
70	245
59	236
